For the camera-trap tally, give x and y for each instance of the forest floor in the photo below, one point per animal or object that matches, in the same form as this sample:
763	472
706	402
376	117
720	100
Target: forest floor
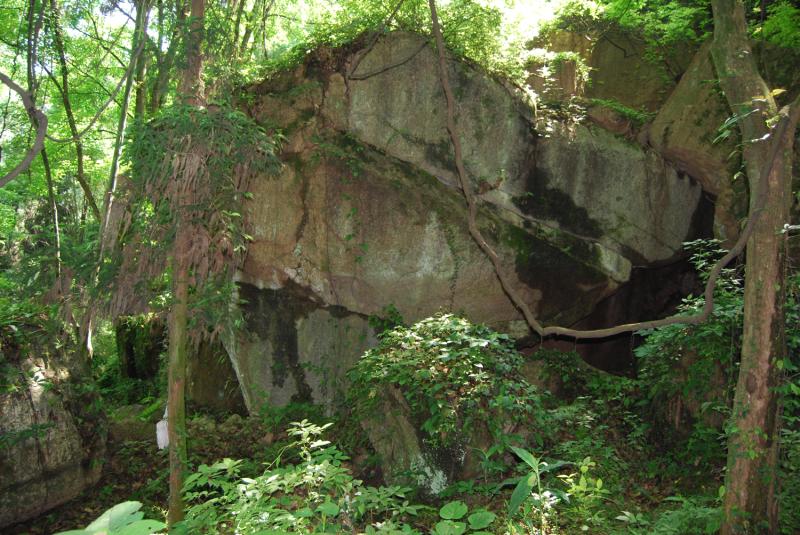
137	470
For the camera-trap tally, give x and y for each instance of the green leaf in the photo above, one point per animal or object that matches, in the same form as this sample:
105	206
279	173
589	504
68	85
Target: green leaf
526	456
555	465
328	509
120	515
520	494
481	519
141	527
448	527
453	510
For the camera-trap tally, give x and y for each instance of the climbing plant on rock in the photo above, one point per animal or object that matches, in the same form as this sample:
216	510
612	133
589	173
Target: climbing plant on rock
193	166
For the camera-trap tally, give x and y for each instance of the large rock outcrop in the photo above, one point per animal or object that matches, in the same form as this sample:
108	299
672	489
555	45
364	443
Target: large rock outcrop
367	213
682	93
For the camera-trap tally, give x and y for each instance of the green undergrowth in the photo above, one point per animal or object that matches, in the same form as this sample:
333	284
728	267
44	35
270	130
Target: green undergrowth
571	449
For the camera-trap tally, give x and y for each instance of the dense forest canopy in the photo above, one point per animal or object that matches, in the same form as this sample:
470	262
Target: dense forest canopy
136	138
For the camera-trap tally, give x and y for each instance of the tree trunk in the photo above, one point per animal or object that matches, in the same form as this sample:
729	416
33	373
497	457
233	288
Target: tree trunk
32	37
87	324
176	378
138	35
750	500
165	65
141	62
190	88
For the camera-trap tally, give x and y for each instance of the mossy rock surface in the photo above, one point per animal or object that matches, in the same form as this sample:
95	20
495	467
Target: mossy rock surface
368	212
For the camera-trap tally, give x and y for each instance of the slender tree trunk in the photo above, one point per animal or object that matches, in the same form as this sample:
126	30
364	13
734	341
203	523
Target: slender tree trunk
234	47
51	199
250	21
141	64
176	377
165	66
58	40
750	499
32	37
190	89
190	86
138	34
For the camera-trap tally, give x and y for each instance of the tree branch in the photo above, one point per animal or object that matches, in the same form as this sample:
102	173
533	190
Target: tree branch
58	40
38	118
374	40
111	99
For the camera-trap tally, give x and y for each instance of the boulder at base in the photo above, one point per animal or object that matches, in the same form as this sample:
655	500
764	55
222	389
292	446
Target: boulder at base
52	444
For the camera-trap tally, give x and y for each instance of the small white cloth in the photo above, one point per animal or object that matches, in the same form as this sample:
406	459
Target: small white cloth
162	438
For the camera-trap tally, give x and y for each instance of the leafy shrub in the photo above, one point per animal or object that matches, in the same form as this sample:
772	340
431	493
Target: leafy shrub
454	376
695	364
782	25
789	467
694	516
318	494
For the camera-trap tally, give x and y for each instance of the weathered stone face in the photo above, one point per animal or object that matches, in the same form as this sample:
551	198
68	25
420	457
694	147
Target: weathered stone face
619	68
684	133
622	72
367	213
294	349
46	458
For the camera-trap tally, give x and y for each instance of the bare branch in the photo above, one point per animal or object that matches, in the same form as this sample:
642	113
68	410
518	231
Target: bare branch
360	56
38	118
